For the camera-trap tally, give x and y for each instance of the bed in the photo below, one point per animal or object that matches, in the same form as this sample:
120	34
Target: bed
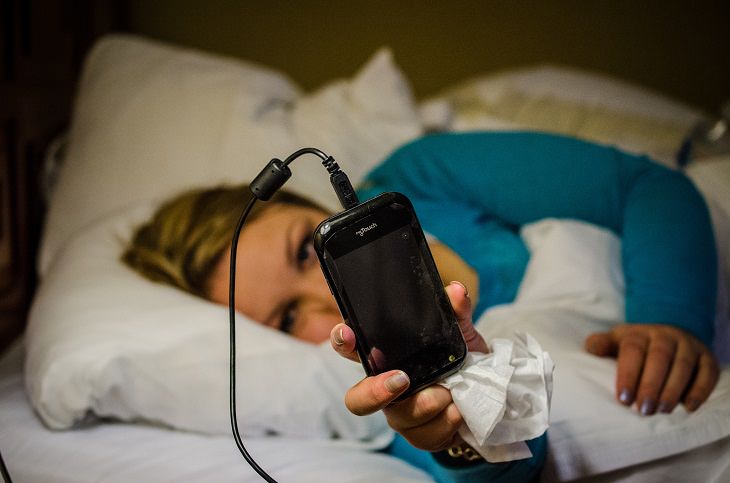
118	379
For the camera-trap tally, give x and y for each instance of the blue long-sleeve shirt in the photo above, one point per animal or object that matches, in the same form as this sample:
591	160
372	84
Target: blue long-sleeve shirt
473	191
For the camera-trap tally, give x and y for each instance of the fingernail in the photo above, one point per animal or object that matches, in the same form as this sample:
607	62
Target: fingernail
397	382
466	290
664	407
626	397
338	337
691	404
648	407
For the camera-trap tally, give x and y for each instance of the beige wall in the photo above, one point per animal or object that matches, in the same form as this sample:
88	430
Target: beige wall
679	48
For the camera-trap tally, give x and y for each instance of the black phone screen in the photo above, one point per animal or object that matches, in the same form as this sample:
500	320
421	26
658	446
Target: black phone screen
392	295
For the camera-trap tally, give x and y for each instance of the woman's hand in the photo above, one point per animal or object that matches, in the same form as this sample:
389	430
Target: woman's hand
657	366
428	419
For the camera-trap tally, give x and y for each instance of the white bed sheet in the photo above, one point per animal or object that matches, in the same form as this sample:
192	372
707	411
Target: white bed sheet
116	452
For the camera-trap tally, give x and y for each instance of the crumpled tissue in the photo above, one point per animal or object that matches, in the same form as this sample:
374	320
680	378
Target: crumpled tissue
504	397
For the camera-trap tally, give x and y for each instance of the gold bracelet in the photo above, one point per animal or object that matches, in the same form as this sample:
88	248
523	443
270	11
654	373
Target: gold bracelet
464	451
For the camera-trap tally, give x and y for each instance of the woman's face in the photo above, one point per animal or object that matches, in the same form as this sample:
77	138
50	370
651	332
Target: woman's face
278	279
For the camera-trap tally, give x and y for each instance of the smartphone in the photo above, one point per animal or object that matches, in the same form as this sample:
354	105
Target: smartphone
382	274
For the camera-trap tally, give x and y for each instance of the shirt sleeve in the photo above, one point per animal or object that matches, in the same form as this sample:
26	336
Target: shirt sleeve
525	470
668	249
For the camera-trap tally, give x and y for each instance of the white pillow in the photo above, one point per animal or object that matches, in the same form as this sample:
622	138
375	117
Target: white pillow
570	101
151	119
103	340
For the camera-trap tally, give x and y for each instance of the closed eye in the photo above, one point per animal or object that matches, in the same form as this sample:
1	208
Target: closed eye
286	324
305	252
304	259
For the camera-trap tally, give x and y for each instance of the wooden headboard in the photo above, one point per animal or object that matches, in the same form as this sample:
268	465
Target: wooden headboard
679	48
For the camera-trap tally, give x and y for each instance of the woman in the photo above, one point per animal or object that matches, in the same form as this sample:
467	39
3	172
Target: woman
473	192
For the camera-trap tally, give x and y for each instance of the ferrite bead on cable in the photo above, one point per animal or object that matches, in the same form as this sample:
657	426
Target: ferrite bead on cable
270	179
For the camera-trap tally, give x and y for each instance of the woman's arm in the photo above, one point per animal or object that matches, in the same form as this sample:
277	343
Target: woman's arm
668	251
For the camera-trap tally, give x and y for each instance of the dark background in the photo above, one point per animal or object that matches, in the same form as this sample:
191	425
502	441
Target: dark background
680	48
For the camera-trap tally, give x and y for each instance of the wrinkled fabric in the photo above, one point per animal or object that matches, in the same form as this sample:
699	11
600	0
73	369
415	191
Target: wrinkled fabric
504	397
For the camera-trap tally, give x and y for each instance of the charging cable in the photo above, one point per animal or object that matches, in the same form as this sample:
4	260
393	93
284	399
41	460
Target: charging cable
4	471
263	187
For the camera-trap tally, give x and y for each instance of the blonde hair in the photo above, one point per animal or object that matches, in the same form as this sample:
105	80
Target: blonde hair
181	244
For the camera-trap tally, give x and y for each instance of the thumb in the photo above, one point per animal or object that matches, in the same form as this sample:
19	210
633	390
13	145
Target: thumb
460	301
601	344
376	392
